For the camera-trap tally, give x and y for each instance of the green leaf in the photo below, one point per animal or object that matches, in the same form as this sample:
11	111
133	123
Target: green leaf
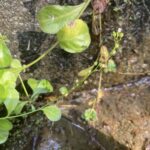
11	100
16	67
8	78
2	93
111	66
1	72
39	86
16	63
64	91
53	113
3	136
19	107
53	17
5	56
85	72
5	127
89	115
74	37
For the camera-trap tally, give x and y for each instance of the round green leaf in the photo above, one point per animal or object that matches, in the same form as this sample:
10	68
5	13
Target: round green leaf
74	37
89	115
64	91
53	113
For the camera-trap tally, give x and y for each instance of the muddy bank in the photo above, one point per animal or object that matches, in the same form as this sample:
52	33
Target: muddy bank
123	122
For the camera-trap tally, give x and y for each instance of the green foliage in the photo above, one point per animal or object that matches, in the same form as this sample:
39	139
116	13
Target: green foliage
53	17
53	113
117	38
89	115
19	107
5	127
111	66
85	72
5	56
39	87
64	91
2	96
11	100
74	37
9	96
72	33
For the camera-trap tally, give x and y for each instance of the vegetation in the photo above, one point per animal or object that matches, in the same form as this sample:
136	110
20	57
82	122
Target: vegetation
73	36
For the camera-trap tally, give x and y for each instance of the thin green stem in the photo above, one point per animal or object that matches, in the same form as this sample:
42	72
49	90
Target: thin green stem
41	57
24	88
37	60
85	6
21	115
56	43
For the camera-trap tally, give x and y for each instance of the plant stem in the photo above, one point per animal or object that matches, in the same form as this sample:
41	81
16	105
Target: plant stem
24	114
85	6
42	56
98	98
100	26
24	88
56	43
37	60
21	115
134	73
99	86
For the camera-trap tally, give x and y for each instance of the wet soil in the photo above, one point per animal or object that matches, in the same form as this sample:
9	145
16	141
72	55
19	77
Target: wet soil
124	112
